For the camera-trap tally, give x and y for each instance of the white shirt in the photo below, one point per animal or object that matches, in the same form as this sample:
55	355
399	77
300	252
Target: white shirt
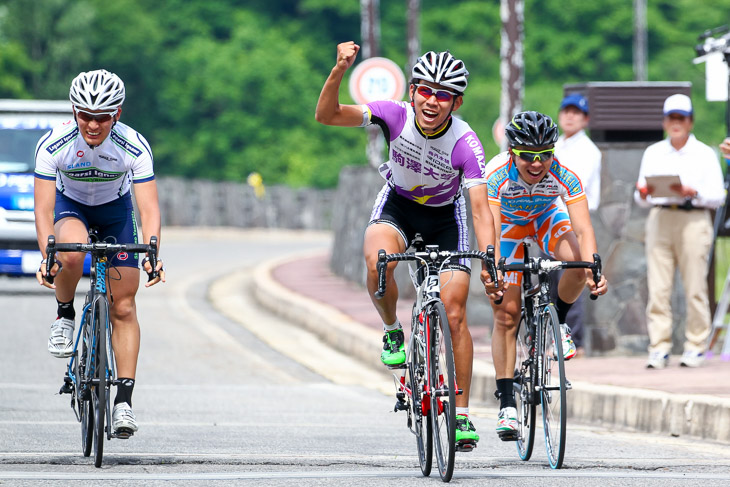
697	166
579	154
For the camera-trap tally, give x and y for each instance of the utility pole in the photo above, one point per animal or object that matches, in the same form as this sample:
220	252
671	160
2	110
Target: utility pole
370	32
414	40
640	41
512	65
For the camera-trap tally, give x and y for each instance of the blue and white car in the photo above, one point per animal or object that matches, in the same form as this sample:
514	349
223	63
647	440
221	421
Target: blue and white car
22	123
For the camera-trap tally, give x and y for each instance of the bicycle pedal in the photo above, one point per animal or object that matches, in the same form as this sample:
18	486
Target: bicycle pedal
396	367
508	435
66	388
123	434
568	385
465	445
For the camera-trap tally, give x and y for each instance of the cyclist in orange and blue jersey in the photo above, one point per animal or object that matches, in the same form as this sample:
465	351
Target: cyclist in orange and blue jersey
525	186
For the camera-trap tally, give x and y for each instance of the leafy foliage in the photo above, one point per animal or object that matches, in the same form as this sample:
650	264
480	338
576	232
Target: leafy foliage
225	88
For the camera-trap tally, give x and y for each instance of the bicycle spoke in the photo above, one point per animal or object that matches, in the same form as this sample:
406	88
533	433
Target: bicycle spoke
553	392
83	378
442	381
100	396
524	387
421	421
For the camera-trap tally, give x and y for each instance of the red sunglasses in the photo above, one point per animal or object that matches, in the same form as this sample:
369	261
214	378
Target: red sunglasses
441	95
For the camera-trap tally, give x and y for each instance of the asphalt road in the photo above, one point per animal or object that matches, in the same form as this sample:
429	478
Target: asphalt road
230	394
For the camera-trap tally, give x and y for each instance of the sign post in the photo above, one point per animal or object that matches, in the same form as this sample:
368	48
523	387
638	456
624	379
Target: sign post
376	78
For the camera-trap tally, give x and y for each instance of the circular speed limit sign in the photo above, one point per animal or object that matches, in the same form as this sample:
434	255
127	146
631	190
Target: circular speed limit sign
377	78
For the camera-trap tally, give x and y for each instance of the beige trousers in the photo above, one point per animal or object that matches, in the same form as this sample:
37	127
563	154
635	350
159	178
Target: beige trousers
677	238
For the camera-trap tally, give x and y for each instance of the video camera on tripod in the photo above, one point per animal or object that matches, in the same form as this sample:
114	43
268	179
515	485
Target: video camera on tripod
716	42
711	43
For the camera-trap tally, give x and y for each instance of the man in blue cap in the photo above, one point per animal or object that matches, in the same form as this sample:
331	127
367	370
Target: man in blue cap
577	152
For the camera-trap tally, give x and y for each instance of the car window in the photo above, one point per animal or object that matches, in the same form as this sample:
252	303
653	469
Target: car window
17	149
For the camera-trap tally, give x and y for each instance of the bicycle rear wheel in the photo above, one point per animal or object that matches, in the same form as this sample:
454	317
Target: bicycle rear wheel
442	381
83	373
416	382
524	387
99	397
553	391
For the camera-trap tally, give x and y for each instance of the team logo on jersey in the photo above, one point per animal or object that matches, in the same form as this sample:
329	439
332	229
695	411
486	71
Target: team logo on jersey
61	143
124	144
107	158
122	256
92	175
77	165
476	147
80	154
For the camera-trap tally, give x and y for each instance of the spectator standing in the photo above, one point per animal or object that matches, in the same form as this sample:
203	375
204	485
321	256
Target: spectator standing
577	152
679	231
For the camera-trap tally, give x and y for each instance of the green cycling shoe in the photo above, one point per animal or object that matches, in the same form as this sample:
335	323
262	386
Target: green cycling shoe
394	350
466	434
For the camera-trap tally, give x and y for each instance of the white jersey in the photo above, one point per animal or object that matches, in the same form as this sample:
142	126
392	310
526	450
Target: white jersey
93	175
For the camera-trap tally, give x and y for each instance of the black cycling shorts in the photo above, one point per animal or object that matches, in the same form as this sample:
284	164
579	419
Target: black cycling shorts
444	226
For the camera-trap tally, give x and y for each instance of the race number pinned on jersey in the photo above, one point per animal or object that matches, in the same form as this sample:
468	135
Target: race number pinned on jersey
377	78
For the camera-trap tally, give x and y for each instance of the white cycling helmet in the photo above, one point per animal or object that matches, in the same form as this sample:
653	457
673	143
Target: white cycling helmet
97	90
443	69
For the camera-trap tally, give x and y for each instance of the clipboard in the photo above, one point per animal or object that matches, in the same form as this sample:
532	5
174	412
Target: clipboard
662	185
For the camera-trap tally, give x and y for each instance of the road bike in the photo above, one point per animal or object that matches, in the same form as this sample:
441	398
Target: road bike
540	373
91	371
427	387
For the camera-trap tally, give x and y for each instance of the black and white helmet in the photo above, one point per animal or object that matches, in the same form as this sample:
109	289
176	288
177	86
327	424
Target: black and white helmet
97	90
443	69
531	129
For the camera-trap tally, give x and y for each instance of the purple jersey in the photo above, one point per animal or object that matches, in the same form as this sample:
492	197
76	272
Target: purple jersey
428	169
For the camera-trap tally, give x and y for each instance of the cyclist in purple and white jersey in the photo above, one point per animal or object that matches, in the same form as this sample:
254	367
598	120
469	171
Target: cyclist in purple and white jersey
83	177
433	157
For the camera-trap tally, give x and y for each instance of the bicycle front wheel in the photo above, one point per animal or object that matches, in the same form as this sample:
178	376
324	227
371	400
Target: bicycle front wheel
442	384
553	389
524	387
99	395
83	373
416	382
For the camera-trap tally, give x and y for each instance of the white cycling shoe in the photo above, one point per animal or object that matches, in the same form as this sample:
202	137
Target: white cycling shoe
123	419
61	341
569	349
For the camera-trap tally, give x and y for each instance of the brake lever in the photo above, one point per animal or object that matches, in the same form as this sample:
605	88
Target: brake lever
152	256
596	269
492	269
50	258
381	274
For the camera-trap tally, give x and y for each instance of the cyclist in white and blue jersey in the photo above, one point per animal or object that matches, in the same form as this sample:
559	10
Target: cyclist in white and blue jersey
433	158
83	176
525	185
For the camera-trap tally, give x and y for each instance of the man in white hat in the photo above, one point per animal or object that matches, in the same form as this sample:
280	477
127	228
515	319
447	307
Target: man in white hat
679	231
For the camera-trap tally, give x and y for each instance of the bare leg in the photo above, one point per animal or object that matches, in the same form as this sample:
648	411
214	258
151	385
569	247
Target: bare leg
572	281
69	230
123	315
506	319
454	296
382	236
